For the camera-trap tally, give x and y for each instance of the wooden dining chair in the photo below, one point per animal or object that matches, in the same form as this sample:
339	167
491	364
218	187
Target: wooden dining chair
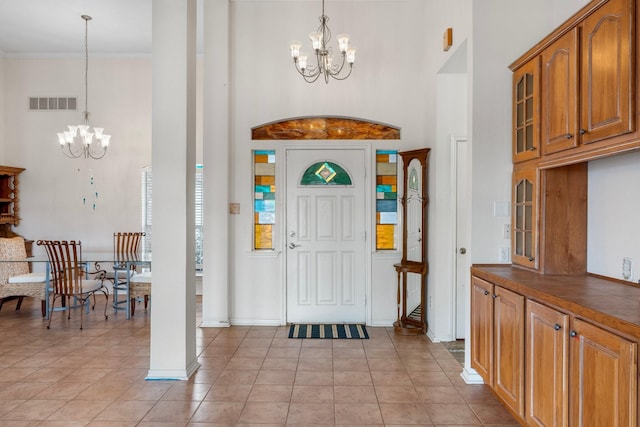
68	277
140	288
126	248
127	242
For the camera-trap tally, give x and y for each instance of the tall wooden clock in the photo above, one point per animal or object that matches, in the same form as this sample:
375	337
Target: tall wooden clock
413	268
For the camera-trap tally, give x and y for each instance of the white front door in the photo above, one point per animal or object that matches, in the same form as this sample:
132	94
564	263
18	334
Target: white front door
326	236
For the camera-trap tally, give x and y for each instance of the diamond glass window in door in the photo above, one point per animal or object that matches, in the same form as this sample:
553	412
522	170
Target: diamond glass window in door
386	199
264	171
325	173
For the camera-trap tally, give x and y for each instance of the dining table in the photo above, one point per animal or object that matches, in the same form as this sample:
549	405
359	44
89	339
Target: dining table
96	263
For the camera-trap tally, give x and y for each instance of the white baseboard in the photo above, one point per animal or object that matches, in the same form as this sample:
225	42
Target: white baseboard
215	324
171	374
470	376
255	322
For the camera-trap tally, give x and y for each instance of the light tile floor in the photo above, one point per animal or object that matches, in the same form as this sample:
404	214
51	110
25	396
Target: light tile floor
249	376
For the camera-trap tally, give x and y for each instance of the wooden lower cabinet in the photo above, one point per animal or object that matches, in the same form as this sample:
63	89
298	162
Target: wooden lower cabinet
603	378
482	329
546	350
497	340
549	367
508	347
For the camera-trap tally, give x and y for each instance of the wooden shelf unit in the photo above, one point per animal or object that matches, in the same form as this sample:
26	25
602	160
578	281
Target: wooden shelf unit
9	196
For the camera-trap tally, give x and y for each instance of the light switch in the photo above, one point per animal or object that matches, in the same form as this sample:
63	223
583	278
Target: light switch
234	208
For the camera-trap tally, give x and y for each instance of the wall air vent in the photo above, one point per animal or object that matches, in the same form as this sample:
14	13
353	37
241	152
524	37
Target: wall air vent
52	104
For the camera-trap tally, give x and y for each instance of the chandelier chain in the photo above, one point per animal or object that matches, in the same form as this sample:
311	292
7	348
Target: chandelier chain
86	65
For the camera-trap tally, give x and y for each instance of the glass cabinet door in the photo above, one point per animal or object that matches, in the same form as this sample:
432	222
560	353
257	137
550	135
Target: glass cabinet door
526	123
524	222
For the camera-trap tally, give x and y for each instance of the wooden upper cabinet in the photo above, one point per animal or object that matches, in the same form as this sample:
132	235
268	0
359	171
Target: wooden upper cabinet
526	111
585	80
607	93
559	94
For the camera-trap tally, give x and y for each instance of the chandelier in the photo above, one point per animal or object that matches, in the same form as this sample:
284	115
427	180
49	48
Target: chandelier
324	60
82	140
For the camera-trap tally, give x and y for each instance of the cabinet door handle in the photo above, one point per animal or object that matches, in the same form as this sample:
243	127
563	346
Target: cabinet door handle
573	334
569	136
532	148
494	296
582	131
486	292
557	327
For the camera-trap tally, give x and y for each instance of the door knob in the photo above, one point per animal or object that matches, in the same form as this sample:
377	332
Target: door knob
463	251
293	245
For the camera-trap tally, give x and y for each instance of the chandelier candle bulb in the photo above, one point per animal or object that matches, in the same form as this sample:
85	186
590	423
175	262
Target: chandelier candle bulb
302	62
343	42
351	56
105	140
295	49
316	40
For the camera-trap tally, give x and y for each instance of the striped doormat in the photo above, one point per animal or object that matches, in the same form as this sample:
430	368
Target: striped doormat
334	331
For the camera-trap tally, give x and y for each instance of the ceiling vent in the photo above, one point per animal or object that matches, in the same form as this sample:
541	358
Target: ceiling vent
52	104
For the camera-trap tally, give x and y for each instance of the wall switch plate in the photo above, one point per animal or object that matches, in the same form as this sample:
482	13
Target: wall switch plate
507	231
505	255
500	208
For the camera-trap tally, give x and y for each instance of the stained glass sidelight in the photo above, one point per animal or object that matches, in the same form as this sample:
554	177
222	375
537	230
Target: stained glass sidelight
386	199
264	209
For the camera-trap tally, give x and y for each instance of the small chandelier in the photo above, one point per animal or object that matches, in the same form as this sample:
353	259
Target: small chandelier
80	140
325	66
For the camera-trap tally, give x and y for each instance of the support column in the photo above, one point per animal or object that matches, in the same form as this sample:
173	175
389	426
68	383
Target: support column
215	291
173	327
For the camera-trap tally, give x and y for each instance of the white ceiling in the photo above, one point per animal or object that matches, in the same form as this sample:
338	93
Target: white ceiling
55	28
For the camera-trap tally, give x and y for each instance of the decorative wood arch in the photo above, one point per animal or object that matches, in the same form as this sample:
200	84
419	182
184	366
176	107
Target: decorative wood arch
324	128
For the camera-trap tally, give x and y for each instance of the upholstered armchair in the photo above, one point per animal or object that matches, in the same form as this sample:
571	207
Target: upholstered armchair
15	278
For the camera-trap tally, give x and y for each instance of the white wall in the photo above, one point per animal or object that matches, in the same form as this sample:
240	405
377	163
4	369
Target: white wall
501	34
447	100
614	203
53	186
2	109
264	88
